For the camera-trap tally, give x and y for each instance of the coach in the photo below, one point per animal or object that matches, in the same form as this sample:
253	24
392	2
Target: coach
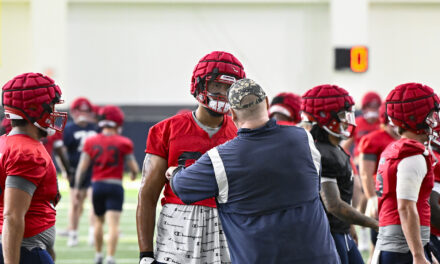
266	184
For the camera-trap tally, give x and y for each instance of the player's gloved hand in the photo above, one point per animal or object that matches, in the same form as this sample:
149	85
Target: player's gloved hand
147	258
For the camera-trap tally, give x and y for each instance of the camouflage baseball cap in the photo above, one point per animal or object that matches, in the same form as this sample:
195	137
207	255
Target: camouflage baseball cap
243	88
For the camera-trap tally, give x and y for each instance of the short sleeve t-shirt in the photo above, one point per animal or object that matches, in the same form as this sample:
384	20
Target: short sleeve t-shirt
24	157
74	137
181	141
107	153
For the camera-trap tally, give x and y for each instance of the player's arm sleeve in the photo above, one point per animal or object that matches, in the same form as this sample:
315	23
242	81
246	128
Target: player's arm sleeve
25	171
367	149
410	173
20	183
128	150
196	182
157	141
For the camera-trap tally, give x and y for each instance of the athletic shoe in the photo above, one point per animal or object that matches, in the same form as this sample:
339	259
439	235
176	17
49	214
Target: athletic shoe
110	260
98	258
72	241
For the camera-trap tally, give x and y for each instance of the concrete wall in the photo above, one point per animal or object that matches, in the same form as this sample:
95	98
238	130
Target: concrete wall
15	39
150	50
144	51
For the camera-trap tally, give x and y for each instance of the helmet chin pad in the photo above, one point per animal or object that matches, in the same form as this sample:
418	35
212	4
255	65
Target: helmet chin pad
216	103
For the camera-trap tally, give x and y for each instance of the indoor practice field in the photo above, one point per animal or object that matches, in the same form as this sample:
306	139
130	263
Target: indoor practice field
127	251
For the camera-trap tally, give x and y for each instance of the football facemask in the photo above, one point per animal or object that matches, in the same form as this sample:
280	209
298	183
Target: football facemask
433	122
216	101
52	122
344	126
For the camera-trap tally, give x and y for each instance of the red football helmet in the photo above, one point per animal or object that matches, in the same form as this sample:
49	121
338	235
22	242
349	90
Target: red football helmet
32	96
413	107
217	66
82	110
331	107
111	116
371	99
288	104
81	104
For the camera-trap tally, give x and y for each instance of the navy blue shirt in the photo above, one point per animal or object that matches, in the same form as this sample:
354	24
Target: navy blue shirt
74	137
266	184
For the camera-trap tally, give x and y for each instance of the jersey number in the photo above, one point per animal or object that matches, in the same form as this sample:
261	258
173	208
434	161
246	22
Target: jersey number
188	158
100	151
82	135
379	185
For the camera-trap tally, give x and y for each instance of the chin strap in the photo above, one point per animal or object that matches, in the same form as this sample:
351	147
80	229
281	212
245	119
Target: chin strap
49	131
342	136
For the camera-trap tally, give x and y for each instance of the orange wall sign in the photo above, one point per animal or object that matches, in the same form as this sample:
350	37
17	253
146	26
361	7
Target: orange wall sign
359	59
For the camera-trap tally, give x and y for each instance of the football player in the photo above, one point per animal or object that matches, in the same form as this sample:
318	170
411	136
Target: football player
107	151
330	108
190	234
75	134
54	145
28	179
434	202
285	108
370	148
405	176
366	123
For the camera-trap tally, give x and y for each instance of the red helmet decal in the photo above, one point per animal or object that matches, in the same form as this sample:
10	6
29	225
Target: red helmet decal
371	99
111	115
409	104
32	96
287	101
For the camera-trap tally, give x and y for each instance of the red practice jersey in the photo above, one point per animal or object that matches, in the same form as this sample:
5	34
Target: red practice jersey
363	128
373	144
181	141
50	141
386	182
107	153
27	158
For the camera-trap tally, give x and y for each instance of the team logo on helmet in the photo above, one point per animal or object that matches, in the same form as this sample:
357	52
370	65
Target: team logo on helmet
219	67
331	107
33	96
